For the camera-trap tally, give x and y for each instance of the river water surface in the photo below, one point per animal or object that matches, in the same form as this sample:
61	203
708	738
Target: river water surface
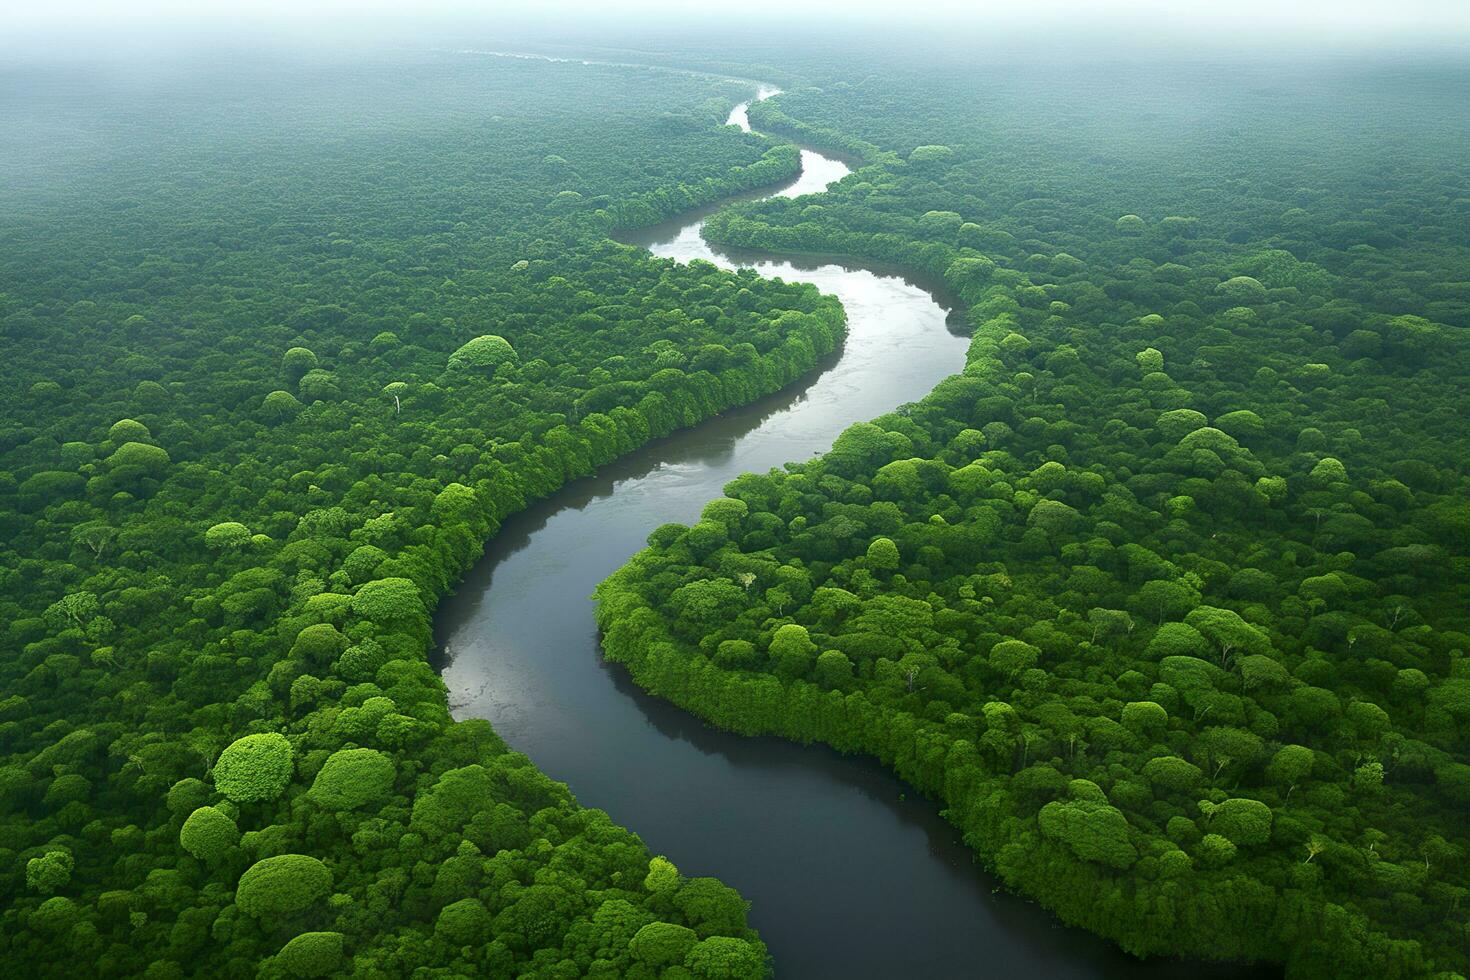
850	874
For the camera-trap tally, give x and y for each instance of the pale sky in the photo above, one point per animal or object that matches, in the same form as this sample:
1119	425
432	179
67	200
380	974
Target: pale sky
1244	21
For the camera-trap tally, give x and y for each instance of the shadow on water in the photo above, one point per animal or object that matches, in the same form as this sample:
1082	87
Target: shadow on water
850	873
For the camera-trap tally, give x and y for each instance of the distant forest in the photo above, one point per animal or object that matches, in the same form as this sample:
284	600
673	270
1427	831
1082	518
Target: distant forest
1165	597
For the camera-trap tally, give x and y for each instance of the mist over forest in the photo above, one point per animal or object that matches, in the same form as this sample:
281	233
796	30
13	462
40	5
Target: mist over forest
802	489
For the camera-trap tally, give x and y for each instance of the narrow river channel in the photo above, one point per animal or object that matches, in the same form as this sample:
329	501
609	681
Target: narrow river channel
850	873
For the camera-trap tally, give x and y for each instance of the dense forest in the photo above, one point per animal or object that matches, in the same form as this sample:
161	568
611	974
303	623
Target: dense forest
1165	596
278	367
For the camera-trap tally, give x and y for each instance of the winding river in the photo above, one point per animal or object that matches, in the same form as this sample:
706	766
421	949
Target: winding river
850	874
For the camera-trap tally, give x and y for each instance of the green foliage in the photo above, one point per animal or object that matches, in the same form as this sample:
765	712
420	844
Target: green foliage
661	944
1194	535
388	600
1317	322
1242	822
792	650
254	768
140	456
208	833
1012	657
1215	851
1242	289
464	923
286	884
277	406
312	954
662	875
296	362
128	430
484	353
351	779
1144	716
227	536
883	554
238	477
725	958
1094	831
1172	774
318	645
50	872
930	154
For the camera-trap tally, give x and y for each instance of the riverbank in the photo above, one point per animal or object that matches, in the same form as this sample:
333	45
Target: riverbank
849	871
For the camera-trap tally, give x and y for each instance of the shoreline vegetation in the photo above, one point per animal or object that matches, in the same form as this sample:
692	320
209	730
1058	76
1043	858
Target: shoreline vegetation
1127	595
227	748
1162	597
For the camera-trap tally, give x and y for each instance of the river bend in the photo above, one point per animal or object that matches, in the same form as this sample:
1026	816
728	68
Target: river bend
850	874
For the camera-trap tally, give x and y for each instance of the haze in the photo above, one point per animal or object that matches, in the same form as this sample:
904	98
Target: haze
36	28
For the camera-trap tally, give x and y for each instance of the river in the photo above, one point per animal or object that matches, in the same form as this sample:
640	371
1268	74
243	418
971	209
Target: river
849	872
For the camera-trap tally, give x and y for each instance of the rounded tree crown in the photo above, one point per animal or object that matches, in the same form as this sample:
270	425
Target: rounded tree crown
282	885
254	768
488	351
128	430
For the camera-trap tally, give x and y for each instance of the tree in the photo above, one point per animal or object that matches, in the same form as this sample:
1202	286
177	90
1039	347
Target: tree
75	609
227	536
312	954
705	605
1172	774
254	768
351	779
1163	599
396	390
1052	516
1109	622
792	651
1012	657
1215	851
1093	831
318	645
140	458
1242	290
1243	822
662	875
883	555
282	885
464	923
833	669
930	154
1312	708
1145	716
661	944
49	873
1176	640
1328	472
208	834
1243	425
725	958
1228	632
128	430
279	406
1368	778
484	353
726	511
388	600
296	362
318	385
